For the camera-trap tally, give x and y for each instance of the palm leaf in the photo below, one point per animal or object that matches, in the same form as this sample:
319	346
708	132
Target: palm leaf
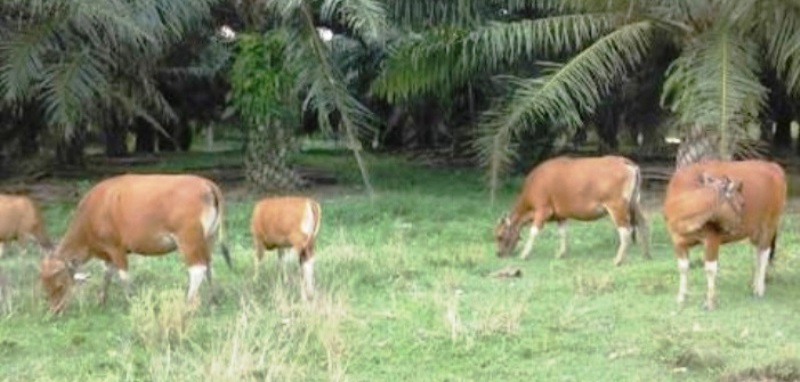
444	59
715	83
563	95
70	88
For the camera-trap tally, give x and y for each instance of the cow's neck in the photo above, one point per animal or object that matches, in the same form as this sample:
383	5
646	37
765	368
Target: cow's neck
520	213
72	247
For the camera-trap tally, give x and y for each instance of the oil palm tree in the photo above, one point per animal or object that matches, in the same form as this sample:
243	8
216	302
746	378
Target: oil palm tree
77	61
317	77
584	48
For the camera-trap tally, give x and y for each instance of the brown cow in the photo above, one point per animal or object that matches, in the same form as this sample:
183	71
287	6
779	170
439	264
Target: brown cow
21	219
577	188
287	222
144	214
763	188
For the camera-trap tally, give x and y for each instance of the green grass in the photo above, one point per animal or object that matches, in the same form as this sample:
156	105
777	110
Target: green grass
403	294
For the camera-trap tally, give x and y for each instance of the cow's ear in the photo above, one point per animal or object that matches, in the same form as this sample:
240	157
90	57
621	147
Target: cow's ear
51	267
503	219
705	178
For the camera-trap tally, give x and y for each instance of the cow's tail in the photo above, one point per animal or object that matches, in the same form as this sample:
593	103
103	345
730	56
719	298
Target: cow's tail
633	201
317	212
639	229
220	205
772	247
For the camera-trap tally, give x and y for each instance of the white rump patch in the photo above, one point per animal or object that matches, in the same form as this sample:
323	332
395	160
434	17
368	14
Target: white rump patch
307	225
210	221
630	187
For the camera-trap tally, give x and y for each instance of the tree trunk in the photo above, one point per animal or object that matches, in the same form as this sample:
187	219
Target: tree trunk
69	151
116	142
265	158
145	136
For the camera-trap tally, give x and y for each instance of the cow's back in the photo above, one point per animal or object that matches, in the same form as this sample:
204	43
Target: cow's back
19	215
580	185
764	190
275	219
133	210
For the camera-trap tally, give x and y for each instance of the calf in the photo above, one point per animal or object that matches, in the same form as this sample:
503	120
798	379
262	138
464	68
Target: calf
287	222
21	219
762	189
144	214
581	189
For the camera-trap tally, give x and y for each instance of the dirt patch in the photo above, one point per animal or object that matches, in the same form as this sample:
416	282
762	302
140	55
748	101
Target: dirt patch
783	371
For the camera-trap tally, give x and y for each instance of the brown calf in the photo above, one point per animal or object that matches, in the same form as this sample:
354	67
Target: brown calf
581	189
763	193
287	222
21	219
144	214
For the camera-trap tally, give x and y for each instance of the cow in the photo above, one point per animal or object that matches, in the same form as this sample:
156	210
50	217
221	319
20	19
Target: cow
287	222
147	214
21	220
583	189
763	190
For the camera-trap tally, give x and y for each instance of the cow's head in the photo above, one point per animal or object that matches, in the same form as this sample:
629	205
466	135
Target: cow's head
57	278
506	236
729	197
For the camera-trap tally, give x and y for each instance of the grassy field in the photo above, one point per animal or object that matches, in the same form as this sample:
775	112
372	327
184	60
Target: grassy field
404	294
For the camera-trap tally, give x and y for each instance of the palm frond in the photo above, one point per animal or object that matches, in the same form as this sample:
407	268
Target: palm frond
563	94
443	59
781	31
22	59
70	88
319	79
367	18
715	83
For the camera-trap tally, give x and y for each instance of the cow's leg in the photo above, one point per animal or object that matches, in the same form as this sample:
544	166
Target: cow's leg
307	266
760	271
193	245
642	230
282	264
682	256
710	257
119	260
2	248
562	233
620	216
257	256
107	276
539	218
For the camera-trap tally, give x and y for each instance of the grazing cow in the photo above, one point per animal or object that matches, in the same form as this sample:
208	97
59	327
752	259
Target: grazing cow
21	219
287	222
577	188
144	214
763	195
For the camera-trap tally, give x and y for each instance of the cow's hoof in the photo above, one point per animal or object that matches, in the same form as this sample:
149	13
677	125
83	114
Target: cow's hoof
709	306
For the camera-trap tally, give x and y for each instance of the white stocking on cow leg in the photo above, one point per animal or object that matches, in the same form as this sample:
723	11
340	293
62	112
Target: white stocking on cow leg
526	251
125	278
711	278
760	273
683	270
624	242
196	275
308	278
562	233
